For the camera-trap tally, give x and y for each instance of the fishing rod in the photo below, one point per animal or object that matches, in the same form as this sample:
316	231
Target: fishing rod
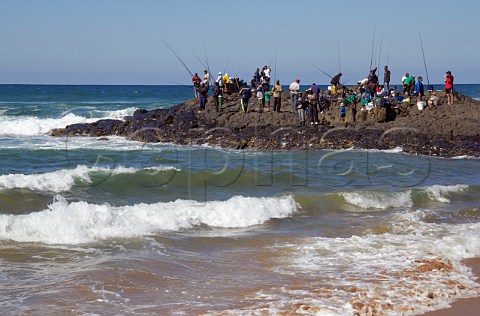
380	52
201	62
275	72
423	53
373	46
388	52
347	81
323	72
171	49
208	65
226	66
338	49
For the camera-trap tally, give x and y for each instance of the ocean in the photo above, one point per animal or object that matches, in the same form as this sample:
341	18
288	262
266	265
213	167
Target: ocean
110	226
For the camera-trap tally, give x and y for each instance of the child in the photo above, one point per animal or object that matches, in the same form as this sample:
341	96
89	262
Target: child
343	112
268	95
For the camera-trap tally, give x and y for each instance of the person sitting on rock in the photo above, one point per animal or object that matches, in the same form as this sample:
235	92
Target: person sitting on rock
434	100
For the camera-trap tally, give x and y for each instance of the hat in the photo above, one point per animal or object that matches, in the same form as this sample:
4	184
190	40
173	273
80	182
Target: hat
448	72
219	73
297	81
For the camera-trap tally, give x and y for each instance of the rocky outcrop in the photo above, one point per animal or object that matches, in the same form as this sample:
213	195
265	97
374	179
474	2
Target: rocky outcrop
440	131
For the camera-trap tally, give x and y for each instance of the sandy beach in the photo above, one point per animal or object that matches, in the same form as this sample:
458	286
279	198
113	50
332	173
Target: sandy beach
466	307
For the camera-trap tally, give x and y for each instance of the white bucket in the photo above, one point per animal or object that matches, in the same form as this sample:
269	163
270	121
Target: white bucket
420	105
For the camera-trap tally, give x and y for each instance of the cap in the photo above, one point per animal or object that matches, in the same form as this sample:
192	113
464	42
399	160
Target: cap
448	72
297	81
219	73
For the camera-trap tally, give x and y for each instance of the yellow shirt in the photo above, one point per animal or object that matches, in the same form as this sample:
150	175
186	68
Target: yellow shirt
225	79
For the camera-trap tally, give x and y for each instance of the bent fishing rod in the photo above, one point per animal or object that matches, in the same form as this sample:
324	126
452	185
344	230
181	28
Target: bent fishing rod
178	57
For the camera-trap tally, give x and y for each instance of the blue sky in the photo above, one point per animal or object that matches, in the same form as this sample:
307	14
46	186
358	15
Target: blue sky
120	42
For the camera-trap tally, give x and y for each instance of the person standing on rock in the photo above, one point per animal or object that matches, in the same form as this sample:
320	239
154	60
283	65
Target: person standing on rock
294	89
245	94
386	77
261	98
206	78
277	92
203	92
196	84
419	89
372	83
217	97
335	82
300	106
220	81
449	87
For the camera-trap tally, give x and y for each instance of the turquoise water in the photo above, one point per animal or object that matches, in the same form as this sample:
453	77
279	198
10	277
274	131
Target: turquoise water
113	226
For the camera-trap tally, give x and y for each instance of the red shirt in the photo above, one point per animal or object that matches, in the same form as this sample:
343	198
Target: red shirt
449	82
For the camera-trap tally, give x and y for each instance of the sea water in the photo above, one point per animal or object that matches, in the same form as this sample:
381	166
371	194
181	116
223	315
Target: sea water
111	226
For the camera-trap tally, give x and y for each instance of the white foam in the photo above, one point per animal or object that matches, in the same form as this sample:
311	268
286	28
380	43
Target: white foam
440	192
381	269
30	126
63	180
118	114
378	200
82	222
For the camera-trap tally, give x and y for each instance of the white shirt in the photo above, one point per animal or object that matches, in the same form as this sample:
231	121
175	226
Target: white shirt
294	87
267	72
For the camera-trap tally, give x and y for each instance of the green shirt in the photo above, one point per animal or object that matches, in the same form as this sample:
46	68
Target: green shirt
267	95
409	80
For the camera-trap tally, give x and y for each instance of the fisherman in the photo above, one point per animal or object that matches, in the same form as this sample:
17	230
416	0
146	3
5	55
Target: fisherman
257	75
261	97
372	82
196	84
226	80
245	94
449	87
217	95
407	82
300	107
335	83
314	97
386	77
294	89
220	81
277	91
206	78
203	92
266	72
419	89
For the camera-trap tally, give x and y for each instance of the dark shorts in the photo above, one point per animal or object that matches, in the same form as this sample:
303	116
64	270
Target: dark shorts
448	90
342	114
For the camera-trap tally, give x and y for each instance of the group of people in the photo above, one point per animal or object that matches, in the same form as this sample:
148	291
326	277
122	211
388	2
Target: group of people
312	101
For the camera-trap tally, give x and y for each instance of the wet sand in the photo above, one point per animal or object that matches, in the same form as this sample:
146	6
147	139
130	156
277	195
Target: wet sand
464	307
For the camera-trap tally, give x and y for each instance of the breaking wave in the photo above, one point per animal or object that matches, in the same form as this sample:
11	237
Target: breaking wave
65	179
82	222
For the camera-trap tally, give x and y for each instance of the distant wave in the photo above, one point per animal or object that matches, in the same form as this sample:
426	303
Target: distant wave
31	125
381	200
65	179
82	222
